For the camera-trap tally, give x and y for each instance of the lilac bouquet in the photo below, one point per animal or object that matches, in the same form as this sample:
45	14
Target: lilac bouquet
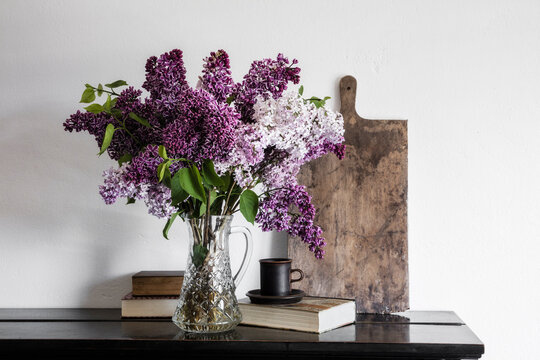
194	152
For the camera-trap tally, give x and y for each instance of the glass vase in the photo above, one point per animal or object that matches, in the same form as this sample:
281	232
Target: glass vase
207	302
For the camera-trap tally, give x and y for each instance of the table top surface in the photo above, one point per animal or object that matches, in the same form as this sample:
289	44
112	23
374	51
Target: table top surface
417	330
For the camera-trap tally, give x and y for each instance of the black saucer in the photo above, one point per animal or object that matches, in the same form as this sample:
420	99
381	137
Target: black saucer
294	297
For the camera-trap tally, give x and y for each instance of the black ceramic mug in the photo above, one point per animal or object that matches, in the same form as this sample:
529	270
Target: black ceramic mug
276	276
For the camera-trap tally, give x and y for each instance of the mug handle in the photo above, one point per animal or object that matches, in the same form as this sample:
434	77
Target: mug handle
247	254
298	271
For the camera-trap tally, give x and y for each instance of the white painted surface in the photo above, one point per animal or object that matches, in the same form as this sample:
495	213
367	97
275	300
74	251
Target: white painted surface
465	73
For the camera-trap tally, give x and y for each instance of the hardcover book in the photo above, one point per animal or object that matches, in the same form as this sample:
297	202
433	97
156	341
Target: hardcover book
157	283
149	306
312	314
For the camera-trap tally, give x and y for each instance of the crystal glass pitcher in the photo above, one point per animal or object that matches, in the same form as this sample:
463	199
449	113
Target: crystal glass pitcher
207	303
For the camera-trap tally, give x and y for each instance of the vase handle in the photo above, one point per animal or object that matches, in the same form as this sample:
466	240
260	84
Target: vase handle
247	254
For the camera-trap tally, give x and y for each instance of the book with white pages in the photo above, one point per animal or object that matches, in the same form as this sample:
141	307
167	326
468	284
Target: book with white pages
311	314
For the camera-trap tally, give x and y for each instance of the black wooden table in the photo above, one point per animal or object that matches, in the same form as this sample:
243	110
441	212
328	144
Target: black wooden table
71	333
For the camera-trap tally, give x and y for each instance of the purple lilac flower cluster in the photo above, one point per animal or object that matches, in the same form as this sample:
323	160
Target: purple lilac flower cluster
253	130
166	76
216	77
95	124
202	129
138	180
275	214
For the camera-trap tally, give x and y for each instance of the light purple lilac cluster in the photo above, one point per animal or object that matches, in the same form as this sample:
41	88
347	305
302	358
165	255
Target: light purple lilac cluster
255	130
137	180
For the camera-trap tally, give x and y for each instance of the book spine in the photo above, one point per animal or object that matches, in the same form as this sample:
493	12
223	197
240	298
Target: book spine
159	285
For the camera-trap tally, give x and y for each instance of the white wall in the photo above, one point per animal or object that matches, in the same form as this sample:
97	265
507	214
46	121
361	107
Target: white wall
465	73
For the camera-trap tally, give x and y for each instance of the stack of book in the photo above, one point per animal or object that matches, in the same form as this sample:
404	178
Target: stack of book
154	294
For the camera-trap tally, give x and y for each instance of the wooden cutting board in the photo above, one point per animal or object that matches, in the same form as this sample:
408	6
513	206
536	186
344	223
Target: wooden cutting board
362	209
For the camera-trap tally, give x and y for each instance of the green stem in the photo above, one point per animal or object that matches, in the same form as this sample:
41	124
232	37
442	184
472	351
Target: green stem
207	221
226	206
112	92
276	189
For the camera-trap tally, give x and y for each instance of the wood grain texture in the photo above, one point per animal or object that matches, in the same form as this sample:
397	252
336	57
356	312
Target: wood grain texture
362	209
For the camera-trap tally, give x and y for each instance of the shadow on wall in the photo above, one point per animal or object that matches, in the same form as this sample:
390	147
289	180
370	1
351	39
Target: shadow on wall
103	293
102	254
52	218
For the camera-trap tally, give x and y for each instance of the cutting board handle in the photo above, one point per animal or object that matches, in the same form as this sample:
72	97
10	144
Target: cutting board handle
347	93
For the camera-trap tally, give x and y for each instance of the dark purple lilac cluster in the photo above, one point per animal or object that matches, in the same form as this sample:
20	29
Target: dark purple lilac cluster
202	129
216	78
95	124
325	148
166	76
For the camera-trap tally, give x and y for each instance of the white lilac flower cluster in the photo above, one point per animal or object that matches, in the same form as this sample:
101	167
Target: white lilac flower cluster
286	133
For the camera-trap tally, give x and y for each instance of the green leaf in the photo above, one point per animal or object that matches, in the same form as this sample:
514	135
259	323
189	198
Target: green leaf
249	205
217	204
107	105
200	210
130	201
199	254
99	90
178	194
161	169
94	108
230	99
190	180
226	182
88	95
301	90
213	197
109	132
167	178
116	84
318	102
139	119
113	102
168	225
209	174
162	151
124	159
